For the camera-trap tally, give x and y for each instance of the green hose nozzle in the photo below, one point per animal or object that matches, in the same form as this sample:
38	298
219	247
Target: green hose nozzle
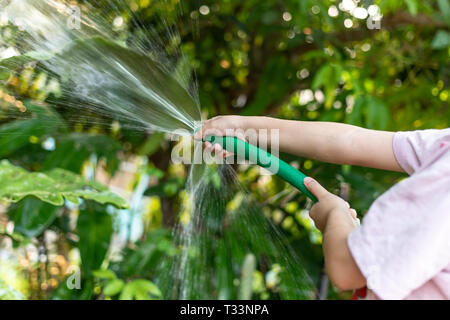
264	159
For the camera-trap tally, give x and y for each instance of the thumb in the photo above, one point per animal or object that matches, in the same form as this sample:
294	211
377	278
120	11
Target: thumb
315	188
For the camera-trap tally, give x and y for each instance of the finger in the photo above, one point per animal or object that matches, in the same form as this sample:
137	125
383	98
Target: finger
223	154
208	146
240	135
315	188
217	147
198	135
353	213
228	154
219	126
312	212
207	130
214	126
218	151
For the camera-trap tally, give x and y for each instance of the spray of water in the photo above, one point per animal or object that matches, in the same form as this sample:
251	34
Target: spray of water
226	227
137	83
143	83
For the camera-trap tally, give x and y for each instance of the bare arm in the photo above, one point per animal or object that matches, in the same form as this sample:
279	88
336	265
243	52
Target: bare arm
325	141
334	217
340	264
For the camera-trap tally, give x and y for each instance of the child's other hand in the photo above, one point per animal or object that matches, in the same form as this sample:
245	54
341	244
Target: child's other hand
328	205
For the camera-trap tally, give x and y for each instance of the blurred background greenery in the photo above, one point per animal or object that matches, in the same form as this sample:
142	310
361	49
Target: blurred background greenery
380	64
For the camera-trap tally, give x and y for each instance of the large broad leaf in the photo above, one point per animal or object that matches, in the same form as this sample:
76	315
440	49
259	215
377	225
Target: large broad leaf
31	216
94	228
52	186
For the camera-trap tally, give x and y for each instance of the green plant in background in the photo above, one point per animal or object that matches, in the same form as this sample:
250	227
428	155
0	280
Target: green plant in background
52	187
139	289
301	60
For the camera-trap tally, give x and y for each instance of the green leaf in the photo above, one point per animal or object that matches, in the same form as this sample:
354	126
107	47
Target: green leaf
149	254
152	144
52	186
377	114
28	58
355	117
16	62
148	287
441	40
113	287
169	187
155	172
63	292
444	6
369	112
104	274
16	134
413	6
322	76
128	292
140	290
32	216
328	76
94	229
5	74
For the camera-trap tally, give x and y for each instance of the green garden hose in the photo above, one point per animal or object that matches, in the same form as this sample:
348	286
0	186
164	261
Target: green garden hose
264	159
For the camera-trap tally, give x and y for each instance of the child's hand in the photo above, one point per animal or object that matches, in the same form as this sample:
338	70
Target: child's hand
222	126
328	205
336	220
218	126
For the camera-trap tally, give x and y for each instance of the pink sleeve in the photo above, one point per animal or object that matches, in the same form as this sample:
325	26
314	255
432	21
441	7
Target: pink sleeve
404	239
414	149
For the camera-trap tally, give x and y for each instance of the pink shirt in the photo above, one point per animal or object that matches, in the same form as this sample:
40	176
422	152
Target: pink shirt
403	244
